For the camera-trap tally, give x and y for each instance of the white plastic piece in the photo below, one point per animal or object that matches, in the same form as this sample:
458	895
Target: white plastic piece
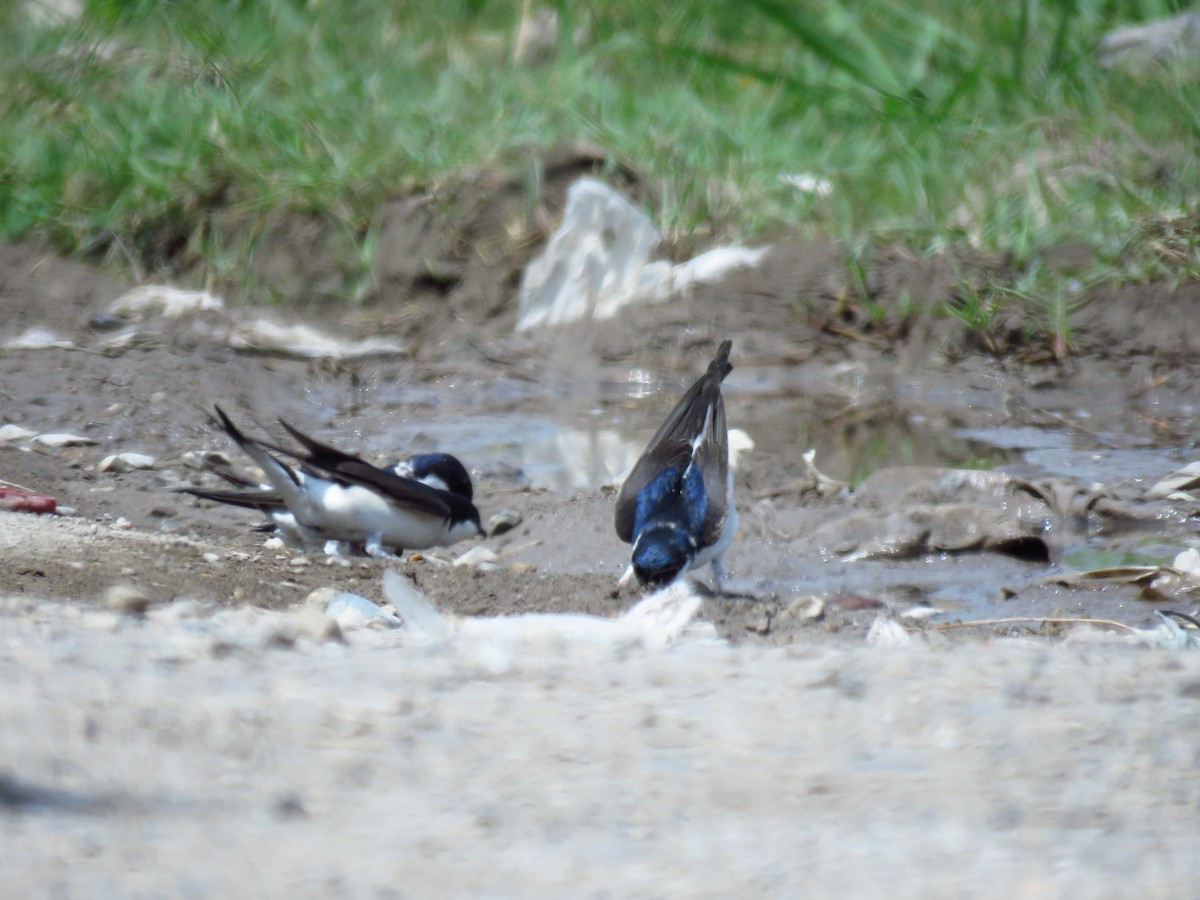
351	611
598	261
38	338
305	342
159	299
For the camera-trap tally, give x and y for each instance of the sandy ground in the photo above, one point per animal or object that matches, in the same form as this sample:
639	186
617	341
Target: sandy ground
217	748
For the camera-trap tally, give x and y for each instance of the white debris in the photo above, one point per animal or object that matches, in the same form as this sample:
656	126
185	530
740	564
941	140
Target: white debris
920	613
304	341
351	611
1157	41
1189	561
421	619
62	439
656	621
1169	634
38	338
125	462
807	183
1177	485
887	633
160	299
808	609
598	260
739	442
15	433
479	557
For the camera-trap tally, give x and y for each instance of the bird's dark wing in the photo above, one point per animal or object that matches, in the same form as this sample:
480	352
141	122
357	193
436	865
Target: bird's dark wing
236	480
244	442
405	492
265	500
319	454
348	469
712	458
674	444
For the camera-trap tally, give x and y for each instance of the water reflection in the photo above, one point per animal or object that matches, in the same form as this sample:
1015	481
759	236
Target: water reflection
529	449
587	454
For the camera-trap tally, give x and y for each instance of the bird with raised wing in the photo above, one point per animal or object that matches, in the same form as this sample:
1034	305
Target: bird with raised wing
676	507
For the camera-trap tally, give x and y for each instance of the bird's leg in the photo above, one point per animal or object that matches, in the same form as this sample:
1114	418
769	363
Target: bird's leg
625	578
718	574
337	548
375	549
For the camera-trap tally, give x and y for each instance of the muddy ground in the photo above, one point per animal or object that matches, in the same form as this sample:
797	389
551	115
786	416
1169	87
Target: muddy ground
984	759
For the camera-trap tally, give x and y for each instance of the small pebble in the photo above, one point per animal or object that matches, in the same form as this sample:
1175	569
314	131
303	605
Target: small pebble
123	523
920	613
479	557
15	433
204	459
106	321
351	611
807	609
503	521
128	600
759	623
125	462
298	562
212	557
62	439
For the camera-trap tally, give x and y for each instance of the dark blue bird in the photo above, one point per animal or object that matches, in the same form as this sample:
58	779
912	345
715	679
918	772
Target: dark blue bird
676	506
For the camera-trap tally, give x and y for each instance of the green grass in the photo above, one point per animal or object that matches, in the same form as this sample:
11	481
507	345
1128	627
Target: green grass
147	131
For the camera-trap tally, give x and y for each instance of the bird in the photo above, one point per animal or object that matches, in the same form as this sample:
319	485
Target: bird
442	471
339	498
251	495
676	506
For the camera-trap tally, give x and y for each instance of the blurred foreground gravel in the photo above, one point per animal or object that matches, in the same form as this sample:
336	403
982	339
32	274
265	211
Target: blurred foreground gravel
220	753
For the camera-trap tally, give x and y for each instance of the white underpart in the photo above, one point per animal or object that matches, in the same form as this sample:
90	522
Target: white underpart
294	533
434	482
713	554
405	470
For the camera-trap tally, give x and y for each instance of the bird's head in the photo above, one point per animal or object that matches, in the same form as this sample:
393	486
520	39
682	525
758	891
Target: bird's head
661	554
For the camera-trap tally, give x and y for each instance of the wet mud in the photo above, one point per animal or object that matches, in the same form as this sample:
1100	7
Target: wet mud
549	421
